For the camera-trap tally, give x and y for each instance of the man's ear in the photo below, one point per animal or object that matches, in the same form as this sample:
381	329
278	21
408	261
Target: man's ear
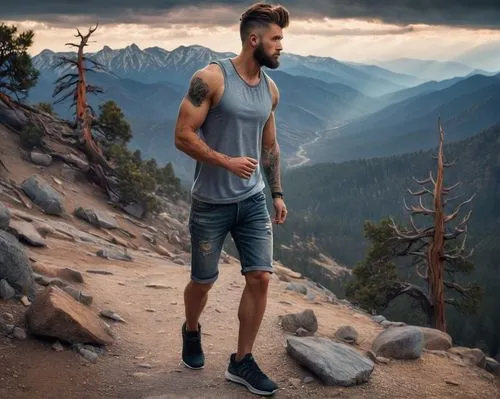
254	39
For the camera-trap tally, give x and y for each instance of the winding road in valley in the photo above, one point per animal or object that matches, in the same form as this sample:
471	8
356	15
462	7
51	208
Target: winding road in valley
300	158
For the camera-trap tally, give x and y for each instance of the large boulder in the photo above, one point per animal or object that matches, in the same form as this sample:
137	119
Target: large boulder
435	339
405	342
333	363
54	313
43	195
15	266
4	217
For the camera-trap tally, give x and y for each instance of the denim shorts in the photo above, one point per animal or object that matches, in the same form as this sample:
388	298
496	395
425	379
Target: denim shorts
250	226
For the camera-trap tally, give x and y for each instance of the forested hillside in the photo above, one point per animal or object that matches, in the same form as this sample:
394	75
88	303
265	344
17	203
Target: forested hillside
328	204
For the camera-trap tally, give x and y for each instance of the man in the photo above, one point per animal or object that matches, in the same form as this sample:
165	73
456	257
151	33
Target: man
231	103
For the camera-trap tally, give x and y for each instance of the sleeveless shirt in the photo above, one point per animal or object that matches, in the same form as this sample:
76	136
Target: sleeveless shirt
233	127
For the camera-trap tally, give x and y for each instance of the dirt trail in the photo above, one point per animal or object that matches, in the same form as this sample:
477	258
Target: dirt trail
144	360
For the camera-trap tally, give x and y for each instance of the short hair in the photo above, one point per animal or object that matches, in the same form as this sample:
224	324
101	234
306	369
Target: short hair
262	14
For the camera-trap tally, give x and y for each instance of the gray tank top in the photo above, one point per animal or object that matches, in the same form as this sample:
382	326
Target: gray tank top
233	127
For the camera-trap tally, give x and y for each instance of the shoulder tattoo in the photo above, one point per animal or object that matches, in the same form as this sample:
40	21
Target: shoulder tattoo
198	91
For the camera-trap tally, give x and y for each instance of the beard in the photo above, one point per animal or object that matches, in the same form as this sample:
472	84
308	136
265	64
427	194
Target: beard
263	59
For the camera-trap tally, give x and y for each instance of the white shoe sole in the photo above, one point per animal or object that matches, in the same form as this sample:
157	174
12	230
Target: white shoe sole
192	368
239	380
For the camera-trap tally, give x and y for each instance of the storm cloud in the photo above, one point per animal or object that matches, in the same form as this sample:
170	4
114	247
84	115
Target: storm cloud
466	13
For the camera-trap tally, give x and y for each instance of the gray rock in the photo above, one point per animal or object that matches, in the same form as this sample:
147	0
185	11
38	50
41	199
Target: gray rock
387	323
6	329
26	233
112	254
15	266
333	363
379	318
6	291
45	281
347	334
19	334
492	366
43	195
41	159
4	217
12	117
57	346
78	295
89	355
399	343
97	218
299	288
306	320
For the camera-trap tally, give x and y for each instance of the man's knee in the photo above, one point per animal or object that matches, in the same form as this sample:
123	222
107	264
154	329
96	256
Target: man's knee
200	288
258	280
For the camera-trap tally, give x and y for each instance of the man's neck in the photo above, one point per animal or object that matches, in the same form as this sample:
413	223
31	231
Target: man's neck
247	66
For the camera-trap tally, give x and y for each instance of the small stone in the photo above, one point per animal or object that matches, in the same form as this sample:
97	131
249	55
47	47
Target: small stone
379	318
25	301
111	315
150	310
103	272
57	346
158	286
347	334
19	334
308	380
145	366
89	355
451	382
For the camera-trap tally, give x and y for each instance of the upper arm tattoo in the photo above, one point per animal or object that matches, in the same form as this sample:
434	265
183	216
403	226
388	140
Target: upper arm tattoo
198	91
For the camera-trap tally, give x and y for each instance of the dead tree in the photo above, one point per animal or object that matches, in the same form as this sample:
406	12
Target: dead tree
73	84
430	246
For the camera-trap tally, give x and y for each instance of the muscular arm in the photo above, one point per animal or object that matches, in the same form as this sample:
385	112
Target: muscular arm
271	149
192	113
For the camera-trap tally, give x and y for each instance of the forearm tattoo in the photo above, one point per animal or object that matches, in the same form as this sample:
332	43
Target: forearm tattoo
271	166
198	91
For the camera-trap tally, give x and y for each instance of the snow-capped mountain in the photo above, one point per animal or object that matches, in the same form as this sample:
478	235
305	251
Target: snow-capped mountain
155	64
151	65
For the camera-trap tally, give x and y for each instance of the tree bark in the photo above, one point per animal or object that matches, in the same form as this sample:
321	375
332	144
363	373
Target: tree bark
436	248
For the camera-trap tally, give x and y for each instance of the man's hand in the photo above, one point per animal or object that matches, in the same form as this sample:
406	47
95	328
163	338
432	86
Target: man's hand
281	212
242	166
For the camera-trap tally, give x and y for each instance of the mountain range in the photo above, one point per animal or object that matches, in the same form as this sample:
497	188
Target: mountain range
329	110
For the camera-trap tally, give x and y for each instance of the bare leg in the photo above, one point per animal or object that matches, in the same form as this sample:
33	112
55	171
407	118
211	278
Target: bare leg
195	299
251	311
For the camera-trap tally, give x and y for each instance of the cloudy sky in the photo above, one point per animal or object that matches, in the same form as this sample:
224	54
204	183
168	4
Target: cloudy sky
357	30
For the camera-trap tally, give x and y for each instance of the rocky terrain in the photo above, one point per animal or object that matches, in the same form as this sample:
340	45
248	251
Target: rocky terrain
91	306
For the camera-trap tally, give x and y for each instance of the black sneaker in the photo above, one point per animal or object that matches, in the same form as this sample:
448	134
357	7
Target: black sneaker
248	373
192	353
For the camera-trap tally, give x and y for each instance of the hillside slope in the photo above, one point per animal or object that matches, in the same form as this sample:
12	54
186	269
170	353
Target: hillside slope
144	359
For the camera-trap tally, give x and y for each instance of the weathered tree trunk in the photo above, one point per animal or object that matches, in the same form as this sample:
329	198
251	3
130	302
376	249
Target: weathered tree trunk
436	248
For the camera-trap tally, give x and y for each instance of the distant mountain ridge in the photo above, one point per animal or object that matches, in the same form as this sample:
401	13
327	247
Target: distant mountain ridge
431	69
465	107
154	64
